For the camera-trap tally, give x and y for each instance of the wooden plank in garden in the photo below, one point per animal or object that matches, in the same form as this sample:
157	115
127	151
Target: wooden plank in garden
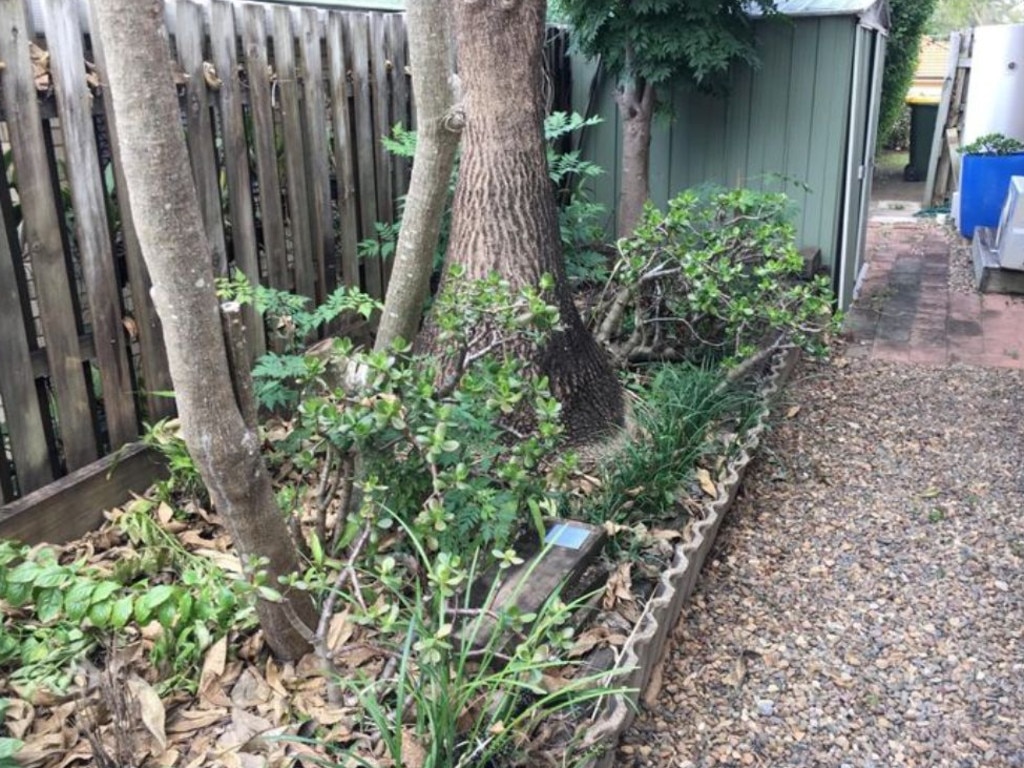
22	414
289	95
67	68
380	53
318	165
400	106
200	131
357	46
71	507
344	167
41	229
236	161
252	20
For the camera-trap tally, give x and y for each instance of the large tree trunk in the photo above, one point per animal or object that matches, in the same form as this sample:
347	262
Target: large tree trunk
636	108
438	126
176	251
504	217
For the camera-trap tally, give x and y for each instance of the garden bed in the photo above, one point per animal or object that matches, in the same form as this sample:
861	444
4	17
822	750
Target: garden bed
638	662
250	710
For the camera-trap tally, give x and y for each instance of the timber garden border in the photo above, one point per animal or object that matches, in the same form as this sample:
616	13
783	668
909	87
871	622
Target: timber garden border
645	649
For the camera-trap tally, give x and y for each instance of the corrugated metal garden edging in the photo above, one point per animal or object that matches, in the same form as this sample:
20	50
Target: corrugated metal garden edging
646	644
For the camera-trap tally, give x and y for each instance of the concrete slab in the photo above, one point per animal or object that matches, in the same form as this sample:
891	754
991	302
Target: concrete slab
989	275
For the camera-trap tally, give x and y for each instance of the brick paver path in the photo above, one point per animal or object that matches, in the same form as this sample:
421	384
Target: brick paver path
906	310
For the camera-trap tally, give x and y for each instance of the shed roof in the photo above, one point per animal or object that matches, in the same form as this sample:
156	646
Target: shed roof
870	13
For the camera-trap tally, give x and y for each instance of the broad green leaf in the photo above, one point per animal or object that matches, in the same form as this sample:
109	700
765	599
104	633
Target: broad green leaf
76	600
121	613
49	605
158	595
99	613
25	573
103	590
52	576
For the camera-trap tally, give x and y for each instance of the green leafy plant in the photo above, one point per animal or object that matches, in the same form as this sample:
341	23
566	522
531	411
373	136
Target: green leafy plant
680	406
56	613
580	217
184	480
290	315
454	445
718	274
280	378
474	680
993	144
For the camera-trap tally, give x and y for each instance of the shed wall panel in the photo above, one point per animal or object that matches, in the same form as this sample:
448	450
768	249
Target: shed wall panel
782	126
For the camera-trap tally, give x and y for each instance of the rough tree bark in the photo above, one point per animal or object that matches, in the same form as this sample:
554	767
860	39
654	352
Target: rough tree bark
504	215
438	127
636	106
179	258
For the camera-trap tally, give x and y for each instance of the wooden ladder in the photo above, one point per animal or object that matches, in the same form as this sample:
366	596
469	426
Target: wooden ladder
944	166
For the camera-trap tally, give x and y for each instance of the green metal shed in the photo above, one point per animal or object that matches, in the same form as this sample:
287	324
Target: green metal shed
805	121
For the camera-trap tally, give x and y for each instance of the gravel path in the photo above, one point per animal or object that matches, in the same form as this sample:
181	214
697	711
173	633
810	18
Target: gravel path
864	605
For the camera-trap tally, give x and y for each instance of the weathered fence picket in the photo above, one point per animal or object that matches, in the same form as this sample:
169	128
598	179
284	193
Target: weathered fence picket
357	47
42	242
283	118
95	247
189	38
22	413
284	109
224	50
344	166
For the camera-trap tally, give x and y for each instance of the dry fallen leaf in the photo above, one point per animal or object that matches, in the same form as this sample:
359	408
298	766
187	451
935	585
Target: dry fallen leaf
210	679
792	411
151	709
619	587
413	754
188	720
706	483
588	640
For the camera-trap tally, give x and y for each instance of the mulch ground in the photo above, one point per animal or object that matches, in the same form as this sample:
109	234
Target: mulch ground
864	604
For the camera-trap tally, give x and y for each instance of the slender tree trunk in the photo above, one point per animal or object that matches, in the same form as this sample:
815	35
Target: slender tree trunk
177	254
504	217
438	127
636	107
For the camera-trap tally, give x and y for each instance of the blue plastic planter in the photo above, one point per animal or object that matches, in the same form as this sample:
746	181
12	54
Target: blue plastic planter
984	180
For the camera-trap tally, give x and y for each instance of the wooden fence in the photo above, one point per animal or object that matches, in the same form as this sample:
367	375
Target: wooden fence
283	108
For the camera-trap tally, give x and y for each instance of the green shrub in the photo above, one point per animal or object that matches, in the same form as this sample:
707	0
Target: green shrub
474	683
717	275
993	144
907	25
455	446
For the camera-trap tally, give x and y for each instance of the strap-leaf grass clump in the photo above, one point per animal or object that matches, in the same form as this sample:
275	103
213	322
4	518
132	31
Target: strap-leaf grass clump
716	275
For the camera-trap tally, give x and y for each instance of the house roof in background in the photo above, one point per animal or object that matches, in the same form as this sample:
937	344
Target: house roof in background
933	60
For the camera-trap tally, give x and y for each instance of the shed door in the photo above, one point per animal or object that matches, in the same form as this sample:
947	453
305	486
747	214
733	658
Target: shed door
869	59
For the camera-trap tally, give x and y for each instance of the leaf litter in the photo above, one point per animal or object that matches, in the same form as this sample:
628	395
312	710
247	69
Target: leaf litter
840	619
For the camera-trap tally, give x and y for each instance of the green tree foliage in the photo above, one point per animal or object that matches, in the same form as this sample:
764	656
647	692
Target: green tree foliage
951	15
909	18
662	40
651	43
